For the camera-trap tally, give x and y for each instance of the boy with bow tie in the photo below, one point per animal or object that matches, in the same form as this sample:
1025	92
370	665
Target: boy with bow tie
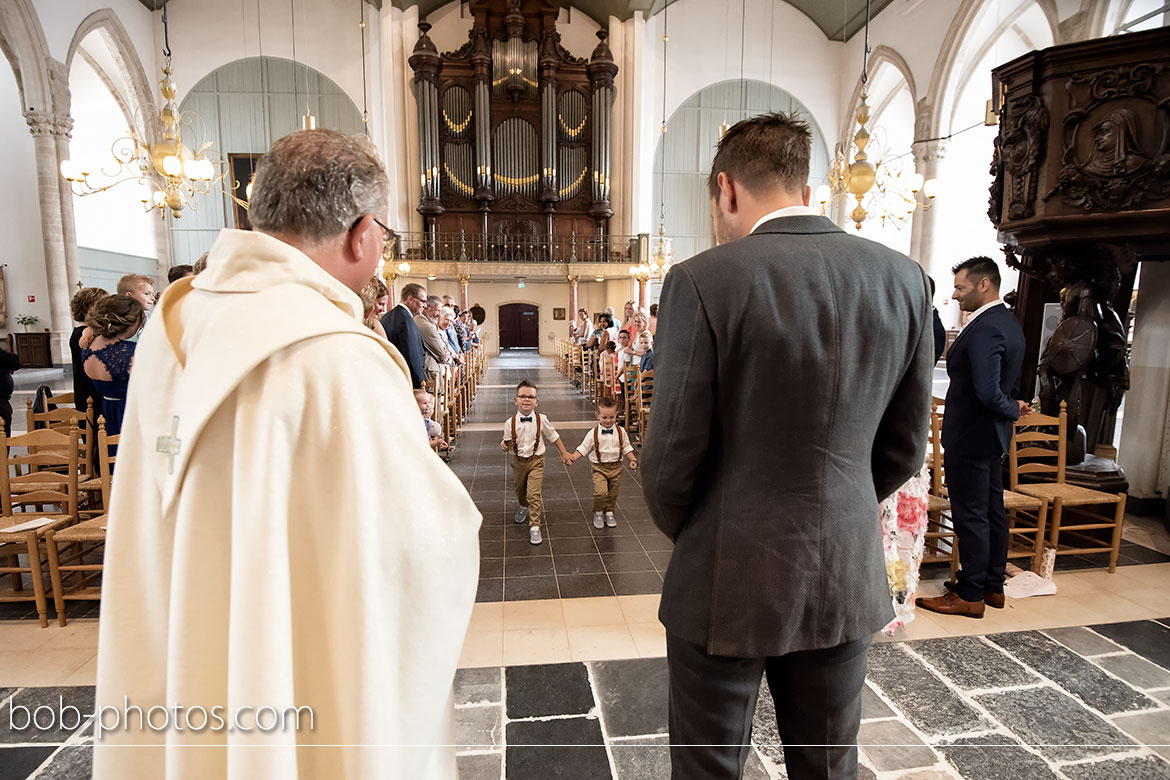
525	434
605	445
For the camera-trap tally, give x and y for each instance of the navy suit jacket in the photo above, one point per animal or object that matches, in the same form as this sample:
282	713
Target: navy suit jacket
403	333
984	367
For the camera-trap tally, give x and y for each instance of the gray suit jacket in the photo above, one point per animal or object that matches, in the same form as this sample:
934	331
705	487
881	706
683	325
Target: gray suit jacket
435	344
792	394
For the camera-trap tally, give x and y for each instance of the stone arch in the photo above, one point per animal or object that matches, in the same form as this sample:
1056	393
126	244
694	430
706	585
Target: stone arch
22	40
881	55
134	93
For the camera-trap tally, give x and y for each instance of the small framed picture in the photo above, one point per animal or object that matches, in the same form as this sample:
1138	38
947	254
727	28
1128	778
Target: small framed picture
558	314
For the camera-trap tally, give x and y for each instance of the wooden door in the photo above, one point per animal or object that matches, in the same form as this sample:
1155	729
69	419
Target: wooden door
519	325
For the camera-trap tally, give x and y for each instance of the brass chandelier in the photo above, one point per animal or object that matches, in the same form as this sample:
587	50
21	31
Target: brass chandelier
170	173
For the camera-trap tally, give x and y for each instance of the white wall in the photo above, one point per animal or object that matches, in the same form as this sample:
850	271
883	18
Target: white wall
60	21
449	29
20	213
593	296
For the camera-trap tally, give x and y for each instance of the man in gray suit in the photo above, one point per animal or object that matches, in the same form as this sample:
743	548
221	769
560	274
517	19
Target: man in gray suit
435	344
793	367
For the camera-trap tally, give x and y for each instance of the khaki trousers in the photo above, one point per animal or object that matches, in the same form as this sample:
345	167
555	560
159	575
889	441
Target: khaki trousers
529	474
607	477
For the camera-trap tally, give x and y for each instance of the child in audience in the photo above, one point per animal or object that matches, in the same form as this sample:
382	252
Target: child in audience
605	445
525	433
625	351
426	405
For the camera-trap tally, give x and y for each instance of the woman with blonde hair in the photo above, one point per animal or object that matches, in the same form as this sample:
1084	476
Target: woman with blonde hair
375	302
108	358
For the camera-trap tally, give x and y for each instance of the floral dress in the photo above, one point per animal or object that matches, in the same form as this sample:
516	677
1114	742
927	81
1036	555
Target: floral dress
903	519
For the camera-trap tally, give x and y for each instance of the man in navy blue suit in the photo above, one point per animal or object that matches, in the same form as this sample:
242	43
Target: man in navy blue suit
403	333
984	369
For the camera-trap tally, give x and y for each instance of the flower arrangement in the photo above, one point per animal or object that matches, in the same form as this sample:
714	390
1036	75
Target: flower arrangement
28	320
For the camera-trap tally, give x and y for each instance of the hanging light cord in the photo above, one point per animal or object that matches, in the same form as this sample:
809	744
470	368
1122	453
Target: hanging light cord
166	32
742	38
362	34
292	13
662	171
865	57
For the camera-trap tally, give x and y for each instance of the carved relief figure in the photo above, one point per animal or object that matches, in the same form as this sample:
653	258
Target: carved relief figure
1117	148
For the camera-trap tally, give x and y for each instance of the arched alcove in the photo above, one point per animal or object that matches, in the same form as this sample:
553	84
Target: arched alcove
241	108
692	133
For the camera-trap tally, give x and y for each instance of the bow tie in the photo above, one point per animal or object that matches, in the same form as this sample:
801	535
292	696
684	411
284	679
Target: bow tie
607	430
525	419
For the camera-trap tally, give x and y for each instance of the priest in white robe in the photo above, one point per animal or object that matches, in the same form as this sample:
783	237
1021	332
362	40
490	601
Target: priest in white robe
280	534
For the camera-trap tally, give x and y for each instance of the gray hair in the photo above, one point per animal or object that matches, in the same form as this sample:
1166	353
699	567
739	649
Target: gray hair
315	184
433	299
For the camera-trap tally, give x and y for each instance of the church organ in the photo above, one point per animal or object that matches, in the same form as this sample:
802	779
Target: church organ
514	136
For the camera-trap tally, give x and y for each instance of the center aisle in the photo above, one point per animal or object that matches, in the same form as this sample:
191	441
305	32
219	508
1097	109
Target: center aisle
575	560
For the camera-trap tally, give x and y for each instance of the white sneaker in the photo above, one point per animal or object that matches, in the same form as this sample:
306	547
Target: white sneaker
610	520
534	535
598	520
521	514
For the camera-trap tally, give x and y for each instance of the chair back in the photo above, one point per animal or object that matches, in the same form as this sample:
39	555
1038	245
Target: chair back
44	449
937	473
106	459
1038	448
647	384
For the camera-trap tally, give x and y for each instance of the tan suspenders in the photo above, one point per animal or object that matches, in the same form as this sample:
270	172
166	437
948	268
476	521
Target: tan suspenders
597	441
515	443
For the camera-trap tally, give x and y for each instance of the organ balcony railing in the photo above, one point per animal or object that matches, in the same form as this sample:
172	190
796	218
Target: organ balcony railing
516	248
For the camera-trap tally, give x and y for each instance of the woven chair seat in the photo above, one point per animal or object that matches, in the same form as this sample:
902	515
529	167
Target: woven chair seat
1014	500
8	521
56	483
89	531
90	484
1070	495
937	504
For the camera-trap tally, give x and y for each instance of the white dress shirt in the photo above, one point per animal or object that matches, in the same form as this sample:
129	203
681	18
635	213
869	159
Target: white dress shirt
526	443
612	450
788	211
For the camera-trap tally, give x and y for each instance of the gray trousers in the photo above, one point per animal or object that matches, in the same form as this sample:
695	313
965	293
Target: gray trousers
818	710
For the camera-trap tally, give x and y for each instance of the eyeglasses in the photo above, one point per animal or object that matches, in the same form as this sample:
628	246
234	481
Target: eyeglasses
526	397
388	235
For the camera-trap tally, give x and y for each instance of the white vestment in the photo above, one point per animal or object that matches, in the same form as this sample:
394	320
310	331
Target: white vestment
305	548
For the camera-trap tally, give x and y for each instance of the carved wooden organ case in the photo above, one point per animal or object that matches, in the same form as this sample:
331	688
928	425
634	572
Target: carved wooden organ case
514	131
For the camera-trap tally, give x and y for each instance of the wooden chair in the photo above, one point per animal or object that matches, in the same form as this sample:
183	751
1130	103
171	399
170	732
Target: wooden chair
57	401
71	547
1039	449
62	419
646	391
575	365
939	540
588	369
629	382
47	448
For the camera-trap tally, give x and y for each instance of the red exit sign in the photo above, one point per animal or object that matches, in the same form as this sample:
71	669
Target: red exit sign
32	299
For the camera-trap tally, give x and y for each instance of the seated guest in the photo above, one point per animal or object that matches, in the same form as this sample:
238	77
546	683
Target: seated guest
79	307
426	405
654	318
628	312
447	328
579	329
107	360
601	332
640	323
375	302
625	353
178	272
644	351
461	330
9	362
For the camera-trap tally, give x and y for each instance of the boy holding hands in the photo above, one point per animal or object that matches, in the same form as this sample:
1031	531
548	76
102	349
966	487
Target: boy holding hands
525	434
605	446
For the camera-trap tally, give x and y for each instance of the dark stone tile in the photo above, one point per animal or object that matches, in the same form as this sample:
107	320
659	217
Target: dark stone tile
491	567
16	714
647	758
574	546
872	706
971	664
522	548
616	544
18	763
547	689
995	757
1148	728
6	692
479	728
491	549
69	763
565	749
1082	640
479	766
630	561
475	686
1136	671
574	586
529	588
656	542
636	583
661	559
924	699
1148	639
490	590
765	733
1073	563
1128	768
537	566
1054	723
633	695
1140	554
1070	671
578	564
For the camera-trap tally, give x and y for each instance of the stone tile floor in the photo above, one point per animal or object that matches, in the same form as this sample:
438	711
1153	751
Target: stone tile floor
1084	703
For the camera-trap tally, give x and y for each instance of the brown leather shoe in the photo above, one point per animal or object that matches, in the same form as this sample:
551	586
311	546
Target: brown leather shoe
952	604
993	600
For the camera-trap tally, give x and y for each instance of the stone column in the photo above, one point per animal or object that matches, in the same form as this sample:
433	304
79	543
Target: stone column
391	277
1145	431
464	291
927	155
643	292
46	129
573	280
